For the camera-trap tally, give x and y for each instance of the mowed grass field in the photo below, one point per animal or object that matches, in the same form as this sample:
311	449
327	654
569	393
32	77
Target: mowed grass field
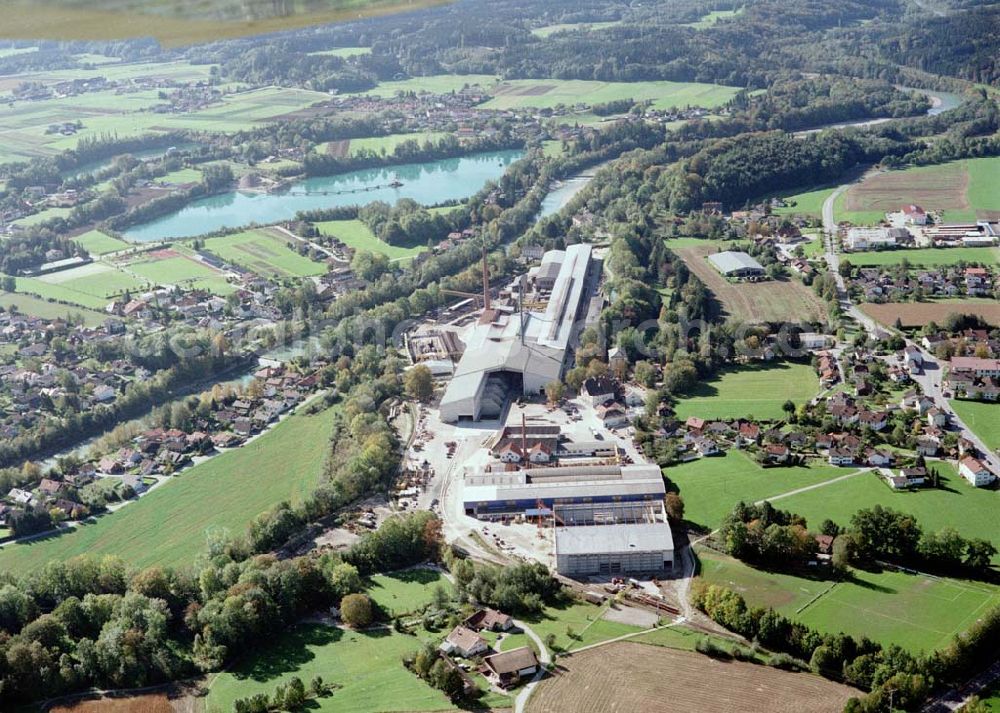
548	93
264	251
366	667
628	676
585	620
406	591
926	257
712	486
809	203
785	300
96	280
168	526
97	243
36	307
917	612
962	190
971	511
915	314
357	235
758	391
713	17
984	420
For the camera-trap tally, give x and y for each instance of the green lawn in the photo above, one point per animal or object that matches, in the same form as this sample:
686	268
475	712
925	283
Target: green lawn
926	257
96	279
357	235
265	252
711	486
42	216
982	417
169	525
916	612
183	175
573	27
548	93
809	203
971	511
366	666
407	591
34	286
757	391
36	307
97	243
585	621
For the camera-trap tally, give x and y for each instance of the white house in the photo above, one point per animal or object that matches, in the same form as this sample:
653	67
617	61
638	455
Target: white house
937	417
21	497
599	390
510	453
975	472
841	456
914	215
464	642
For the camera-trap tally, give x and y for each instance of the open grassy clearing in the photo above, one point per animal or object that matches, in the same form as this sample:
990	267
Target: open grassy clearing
169	525
920	613
549	30
357	235
712	486
60	293
582	619
42	216
378	144
809	203
36	307
548	93
343	52
926	257
628	676
95	279
713	17
785	300
367	666
983	418
433	84
265	252
961	190
916	314
971	511
182	176
97	243
758	391
406	591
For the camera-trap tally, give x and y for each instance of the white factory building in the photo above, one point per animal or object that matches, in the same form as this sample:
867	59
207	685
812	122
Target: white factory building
520	351
612	540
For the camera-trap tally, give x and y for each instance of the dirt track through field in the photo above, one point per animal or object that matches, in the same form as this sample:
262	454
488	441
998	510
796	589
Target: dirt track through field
628	677
786	300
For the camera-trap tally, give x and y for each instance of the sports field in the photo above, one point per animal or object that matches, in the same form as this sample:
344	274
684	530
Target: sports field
548	93
984	420
926	257
172	267
786	300
629	676
549	30
168	526
36	307
758	391
366	667
357	235
97	243
916	612
961	190
916	314
712	486
971	511
264	251
95	279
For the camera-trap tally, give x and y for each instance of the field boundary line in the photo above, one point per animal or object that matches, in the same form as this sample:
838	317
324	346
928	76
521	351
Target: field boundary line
814	486
815	598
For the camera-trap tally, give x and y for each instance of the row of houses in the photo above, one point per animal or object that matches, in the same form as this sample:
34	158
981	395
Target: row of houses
888	284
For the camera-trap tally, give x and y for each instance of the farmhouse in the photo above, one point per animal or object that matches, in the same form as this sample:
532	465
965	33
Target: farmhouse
507	668
914	215
975	472
464	642
512	350
489	620
736	264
